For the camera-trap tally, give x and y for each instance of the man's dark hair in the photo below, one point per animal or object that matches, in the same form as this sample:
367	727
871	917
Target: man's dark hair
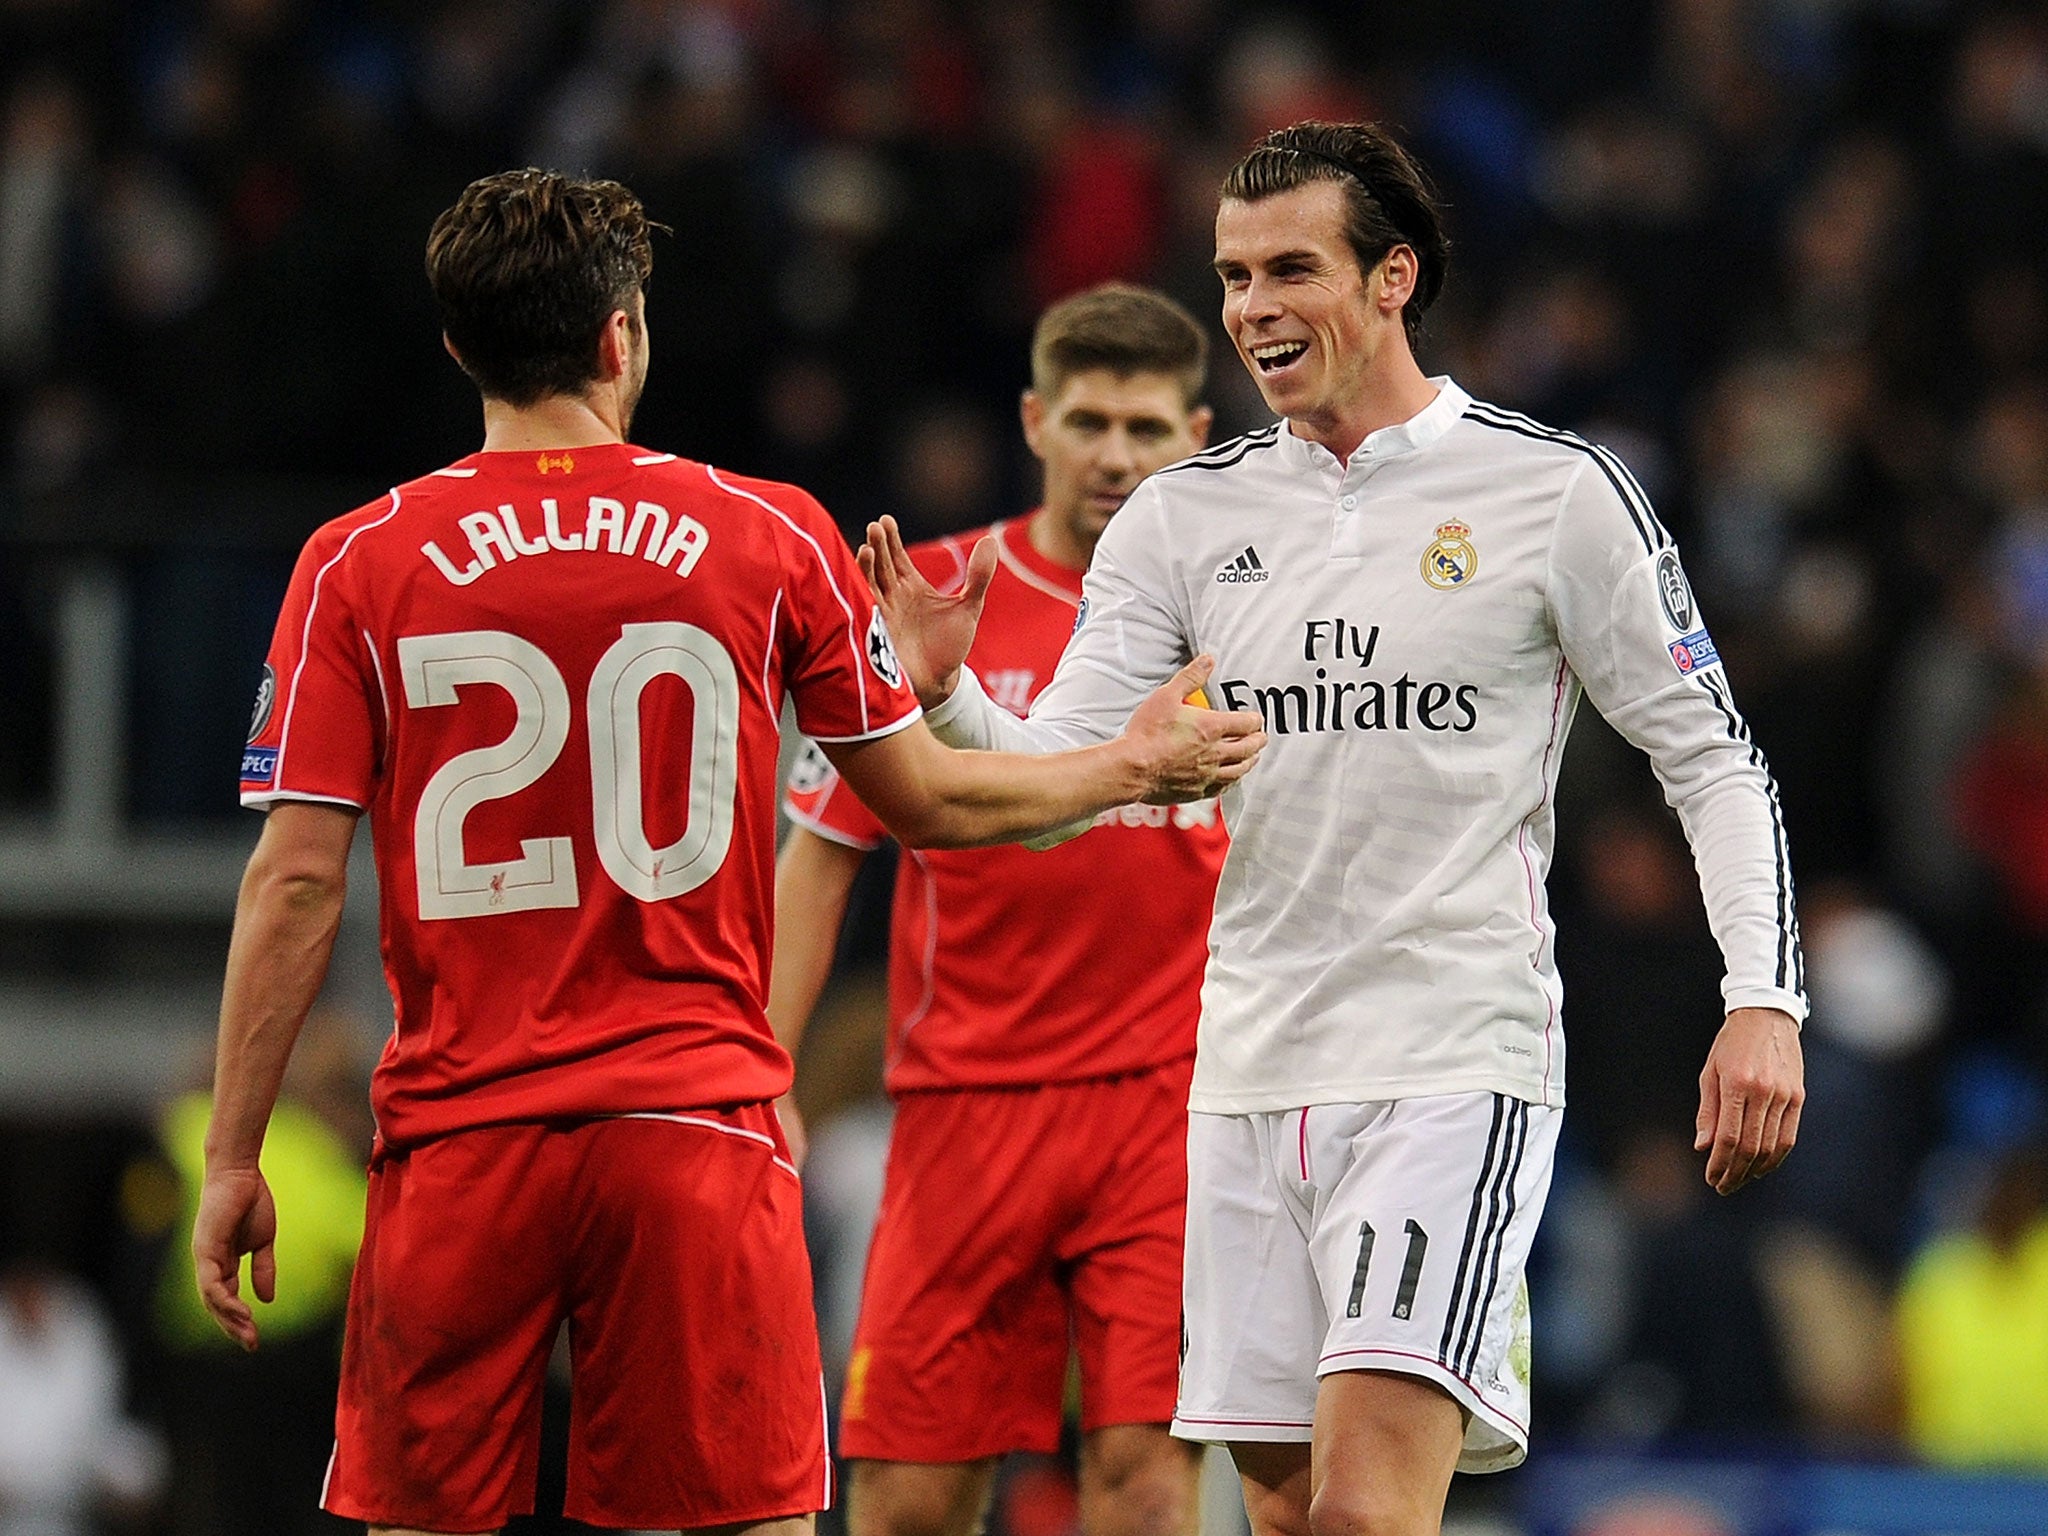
1388	198
1124	330
526	267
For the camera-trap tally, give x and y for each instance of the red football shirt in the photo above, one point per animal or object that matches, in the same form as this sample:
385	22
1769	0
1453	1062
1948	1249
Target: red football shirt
1008	967
553	681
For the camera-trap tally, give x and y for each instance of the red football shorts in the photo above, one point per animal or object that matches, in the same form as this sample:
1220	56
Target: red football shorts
673	1245
1017	1224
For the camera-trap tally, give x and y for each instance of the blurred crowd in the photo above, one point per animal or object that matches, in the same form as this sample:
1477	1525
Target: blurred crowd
1788	257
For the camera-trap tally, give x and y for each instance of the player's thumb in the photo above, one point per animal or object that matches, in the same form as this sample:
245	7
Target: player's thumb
263	1273
981	570
1709	1115
1189	679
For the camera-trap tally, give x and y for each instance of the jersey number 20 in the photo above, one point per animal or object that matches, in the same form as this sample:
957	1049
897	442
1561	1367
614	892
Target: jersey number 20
435	666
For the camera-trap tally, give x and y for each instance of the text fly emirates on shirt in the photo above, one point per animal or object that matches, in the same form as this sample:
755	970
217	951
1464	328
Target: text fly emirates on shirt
1338	686
1339	689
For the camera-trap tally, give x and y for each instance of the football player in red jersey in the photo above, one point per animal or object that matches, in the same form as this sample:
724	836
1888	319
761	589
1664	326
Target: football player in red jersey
1042	1012
551	674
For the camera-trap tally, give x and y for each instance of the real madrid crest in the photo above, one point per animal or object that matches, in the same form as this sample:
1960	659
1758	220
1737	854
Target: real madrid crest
1450	561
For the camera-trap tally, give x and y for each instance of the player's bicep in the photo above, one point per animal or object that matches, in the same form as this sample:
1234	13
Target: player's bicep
814	873
305	844
1625	614
897	776
1654	674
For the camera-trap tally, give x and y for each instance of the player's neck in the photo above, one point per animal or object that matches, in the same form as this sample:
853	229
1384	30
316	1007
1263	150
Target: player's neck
1055	540
1395	390
557	421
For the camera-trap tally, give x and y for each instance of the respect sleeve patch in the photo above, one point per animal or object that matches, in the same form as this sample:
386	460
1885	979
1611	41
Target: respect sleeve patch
1694	651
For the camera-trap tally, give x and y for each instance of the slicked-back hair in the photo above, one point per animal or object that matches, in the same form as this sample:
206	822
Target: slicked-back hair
526	267
1389	201
1124	330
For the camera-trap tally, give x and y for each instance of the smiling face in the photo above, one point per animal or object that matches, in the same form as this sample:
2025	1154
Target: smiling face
1098	437
1315	330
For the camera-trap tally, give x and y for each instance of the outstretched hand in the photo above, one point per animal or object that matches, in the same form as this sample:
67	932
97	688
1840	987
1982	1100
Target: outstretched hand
932	630
1751	1091
1187	751
236	1216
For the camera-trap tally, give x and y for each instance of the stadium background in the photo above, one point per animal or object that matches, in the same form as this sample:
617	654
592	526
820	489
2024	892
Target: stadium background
1789	257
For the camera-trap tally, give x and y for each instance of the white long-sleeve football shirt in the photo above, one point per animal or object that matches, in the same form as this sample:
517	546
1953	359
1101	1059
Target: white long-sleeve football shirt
1416	626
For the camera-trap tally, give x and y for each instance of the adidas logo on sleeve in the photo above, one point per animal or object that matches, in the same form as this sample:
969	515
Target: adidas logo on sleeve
1245	568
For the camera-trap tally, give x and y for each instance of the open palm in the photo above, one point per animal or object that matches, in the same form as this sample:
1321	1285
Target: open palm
932	630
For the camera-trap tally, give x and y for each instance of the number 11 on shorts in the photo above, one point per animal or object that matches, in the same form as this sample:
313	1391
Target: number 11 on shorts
1411	1269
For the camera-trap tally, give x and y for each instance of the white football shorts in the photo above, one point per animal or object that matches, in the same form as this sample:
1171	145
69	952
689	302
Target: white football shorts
1386	1237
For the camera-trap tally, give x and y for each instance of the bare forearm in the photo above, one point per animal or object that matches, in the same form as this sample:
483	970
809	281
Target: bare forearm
934	797
813	877
285	923
999	797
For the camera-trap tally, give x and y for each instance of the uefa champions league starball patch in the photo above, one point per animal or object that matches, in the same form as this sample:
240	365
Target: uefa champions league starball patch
882	652
1450	561
259	764
266	701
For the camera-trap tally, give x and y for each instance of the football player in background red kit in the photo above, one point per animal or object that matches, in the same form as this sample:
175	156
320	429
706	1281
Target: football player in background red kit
1042	1027
551	674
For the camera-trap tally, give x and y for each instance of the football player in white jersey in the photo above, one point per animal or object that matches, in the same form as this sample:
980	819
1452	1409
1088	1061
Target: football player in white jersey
1414	589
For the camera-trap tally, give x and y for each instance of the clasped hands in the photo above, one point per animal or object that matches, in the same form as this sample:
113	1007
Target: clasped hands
1180	752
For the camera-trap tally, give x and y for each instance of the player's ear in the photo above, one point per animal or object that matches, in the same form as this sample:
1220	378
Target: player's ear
449	347
1200	420
1031	411
615	344
1392	284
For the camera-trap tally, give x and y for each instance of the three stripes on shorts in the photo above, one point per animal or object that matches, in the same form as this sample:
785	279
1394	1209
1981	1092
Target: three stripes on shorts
1478	1273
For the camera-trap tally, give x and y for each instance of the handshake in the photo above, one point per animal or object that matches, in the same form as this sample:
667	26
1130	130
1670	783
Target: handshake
1173	748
